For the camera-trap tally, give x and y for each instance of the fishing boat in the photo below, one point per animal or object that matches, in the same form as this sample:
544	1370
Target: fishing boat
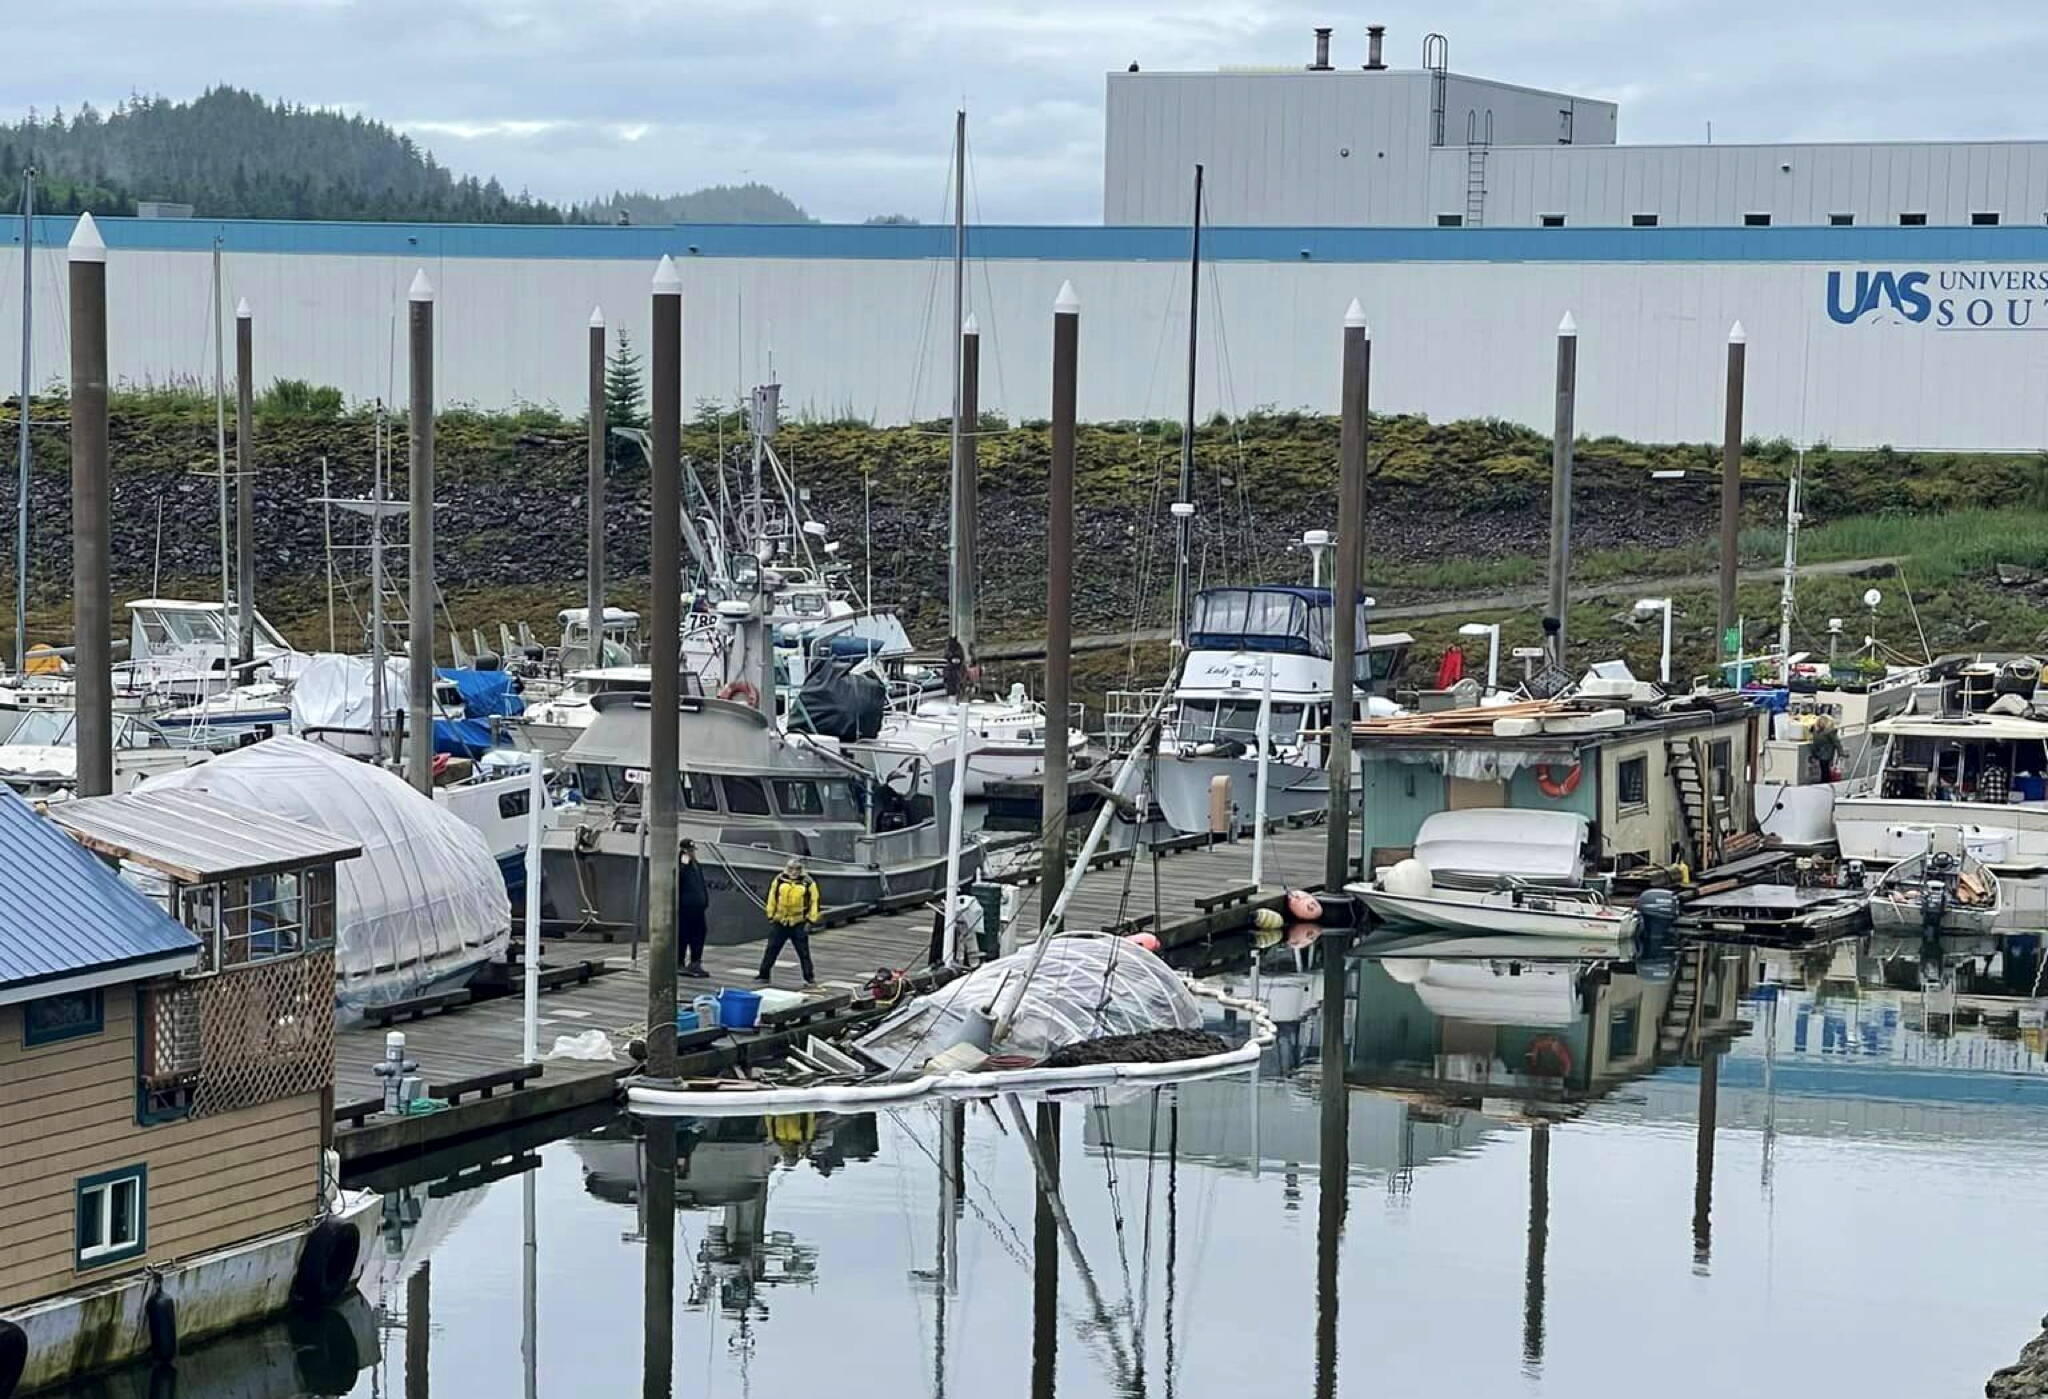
1944	890
752	799
1242	638
1498	871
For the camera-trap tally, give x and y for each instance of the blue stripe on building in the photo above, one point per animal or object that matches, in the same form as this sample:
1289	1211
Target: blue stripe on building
1066	243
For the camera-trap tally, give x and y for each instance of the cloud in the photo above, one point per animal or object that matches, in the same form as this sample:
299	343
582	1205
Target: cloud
847	107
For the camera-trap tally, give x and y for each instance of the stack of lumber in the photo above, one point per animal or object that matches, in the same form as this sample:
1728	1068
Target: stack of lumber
1472	722
1973	889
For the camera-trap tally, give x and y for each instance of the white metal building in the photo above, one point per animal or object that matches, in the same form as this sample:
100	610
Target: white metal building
1364	146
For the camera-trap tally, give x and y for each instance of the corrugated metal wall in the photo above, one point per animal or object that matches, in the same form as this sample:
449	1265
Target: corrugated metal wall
866	337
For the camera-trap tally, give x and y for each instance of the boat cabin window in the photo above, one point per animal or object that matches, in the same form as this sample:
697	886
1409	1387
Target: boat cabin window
700	792
1632	782
796	796
515	803
1206	719
1927	768
805	604
746	796
1377	667
601	784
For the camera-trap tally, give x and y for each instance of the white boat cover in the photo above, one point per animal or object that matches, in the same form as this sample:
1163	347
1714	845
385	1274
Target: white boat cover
332	691
1089	986
423	905
1504	840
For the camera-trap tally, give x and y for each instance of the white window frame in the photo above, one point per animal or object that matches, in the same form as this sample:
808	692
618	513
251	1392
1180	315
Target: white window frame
100	1192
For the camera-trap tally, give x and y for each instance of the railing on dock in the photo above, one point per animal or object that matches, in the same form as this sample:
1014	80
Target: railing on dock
1122	712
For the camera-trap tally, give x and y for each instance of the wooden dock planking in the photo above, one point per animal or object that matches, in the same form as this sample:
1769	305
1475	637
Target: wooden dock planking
487	1035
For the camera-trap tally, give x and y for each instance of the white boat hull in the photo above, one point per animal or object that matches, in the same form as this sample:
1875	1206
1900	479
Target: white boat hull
2011	838
1495	915
1897	917
1182	788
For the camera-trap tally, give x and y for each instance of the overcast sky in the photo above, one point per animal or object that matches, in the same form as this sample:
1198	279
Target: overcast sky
846	106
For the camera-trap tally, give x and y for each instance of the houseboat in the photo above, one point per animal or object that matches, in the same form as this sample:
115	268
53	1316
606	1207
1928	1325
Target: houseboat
1212	730
166	1072
752	799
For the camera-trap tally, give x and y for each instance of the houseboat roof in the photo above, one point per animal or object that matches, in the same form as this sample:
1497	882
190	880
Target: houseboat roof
1964	728
69	923
195	837
1551	726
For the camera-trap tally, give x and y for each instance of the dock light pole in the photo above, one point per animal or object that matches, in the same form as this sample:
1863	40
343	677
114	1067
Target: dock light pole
1644	607
90	506
594	492
245	486
1350	561
1561	483
1491	631
419	627
1059	595
1731	489
665	587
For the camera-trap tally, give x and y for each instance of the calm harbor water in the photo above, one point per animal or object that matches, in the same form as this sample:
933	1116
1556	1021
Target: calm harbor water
1517	1184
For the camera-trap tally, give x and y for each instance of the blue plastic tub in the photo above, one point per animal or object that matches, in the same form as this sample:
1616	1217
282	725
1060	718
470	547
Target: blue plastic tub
737	1009
2031	789
686	1021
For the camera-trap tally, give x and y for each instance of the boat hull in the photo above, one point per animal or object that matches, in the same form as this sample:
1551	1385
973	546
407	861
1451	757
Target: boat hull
1895	917
1458	916
1182	787
2011	838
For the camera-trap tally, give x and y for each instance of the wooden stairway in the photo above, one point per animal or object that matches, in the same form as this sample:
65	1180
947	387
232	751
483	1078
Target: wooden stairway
1703	817
1677	1029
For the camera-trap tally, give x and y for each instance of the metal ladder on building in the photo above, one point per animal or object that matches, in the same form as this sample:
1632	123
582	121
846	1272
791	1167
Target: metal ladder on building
1478	137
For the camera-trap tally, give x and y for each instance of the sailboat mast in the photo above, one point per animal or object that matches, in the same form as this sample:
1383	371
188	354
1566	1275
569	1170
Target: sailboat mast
1184	508
28	247
958	586
220	446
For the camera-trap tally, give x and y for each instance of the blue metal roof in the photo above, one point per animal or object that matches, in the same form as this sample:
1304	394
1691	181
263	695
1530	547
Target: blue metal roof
63	912
1061	242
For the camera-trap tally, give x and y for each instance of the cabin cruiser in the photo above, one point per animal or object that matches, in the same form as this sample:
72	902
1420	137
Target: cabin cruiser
39	760
1983	774
552	724
1212	729
1006	737
1498	871
751	799
183	651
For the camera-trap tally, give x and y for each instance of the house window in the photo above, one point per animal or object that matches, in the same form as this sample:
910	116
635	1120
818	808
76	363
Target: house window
1756	220
1632	782
1621	1032
1984	220
515	803
63	1017
1643	220
1720	756
1552	220
259	919
1912	220
1450	220
1841	220
111	1208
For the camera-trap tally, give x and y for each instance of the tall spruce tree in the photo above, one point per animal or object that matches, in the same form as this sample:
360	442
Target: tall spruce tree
625	397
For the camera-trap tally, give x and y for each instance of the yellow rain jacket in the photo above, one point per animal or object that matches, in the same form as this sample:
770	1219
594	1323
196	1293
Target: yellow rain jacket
792	902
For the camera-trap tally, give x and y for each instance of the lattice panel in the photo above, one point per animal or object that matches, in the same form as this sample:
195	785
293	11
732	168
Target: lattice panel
265	1032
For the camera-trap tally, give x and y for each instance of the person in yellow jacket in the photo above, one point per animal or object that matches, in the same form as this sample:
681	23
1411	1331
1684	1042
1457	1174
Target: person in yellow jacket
792	909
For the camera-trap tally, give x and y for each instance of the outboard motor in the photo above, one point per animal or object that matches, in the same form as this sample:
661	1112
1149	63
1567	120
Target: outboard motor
1933	908
1657	919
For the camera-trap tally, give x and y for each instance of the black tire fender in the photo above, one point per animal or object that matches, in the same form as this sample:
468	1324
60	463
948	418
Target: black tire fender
327	1264
161	1312
13	1357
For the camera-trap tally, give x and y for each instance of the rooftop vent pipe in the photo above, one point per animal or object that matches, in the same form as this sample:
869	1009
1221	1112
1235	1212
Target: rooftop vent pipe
1322	63
1375	35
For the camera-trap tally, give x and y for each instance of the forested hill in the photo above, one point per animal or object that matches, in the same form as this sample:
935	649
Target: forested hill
234	154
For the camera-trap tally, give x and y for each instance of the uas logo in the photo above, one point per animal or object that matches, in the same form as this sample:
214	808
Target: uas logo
1903	292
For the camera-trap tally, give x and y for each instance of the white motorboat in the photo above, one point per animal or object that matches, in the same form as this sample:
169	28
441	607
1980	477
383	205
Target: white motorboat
1213	727
1006	737
1498	871
1942	891
552	724
1983	774
40	757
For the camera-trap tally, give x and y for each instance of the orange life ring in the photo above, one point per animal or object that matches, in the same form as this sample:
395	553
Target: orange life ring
742	690
1550	1056
1552	787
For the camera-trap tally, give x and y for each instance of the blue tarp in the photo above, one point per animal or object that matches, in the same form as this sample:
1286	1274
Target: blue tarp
486	694
462	738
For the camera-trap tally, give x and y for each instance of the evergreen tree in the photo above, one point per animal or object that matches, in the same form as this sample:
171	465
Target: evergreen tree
625	399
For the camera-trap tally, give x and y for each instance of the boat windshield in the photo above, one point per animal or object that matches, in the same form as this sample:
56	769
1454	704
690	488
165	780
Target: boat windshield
1290	621
162	627
45	728
1205	719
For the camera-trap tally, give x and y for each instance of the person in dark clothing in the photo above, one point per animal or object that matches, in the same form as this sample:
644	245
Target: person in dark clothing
693	902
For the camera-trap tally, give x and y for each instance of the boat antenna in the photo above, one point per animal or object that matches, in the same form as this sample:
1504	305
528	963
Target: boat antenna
28	245
1183	505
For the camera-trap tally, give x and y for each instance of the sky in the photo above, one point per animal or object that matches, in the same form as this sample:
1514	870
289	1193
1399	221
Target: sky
846	105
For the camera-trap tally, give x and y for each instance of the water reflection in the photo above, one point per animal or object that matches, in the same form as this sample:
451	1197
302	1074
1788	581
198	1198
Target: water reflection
1333	1169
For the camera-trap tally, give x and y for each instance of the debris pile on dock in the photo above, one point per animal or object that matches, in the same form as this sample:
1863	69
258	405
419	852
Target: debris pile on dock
1149	1047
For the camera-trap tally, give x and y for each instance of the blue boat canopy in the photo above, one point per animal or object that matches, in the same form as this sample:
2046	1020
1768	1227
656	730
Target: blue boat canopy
67	921
1281	618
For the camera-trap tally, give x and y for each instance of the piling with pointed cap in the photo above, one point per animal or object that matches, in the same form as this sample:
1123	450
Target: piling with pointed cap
594	491
90	506
1561	484
1731	487
419	633
1345	589
665	585
245	487
1059	594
